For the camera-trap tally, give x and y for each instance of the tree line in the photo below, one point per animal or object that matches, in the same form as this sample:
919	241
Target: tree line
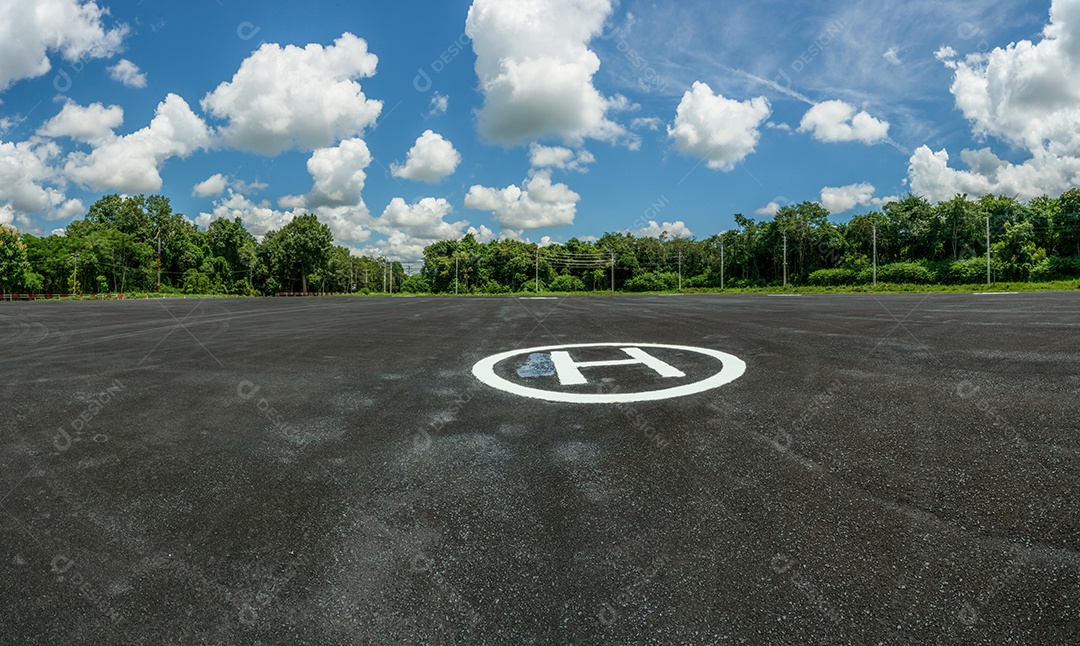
138	243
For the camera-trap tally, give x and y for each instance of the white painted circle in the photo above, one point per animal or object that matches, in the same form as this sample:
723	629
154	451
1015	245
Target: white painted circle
732	368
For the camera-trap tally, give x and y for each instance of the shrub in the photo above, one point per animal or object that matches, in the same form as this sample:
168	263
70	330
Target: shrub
703	280
196	282
968	271
652	282
832	277
905	272
567	284
494	287
1056	268
416	284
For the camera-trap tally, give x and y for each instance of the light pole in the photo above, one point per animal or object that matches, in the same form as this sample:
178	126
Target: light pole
680	270
874	227
612	272
785	260
988	250
75	275
722	261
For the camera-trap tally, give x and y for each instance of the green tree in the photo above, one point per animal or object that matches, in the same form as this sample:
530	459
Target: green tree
1067	224
960	223
233	251
912	230
300	248
1016	251
14	266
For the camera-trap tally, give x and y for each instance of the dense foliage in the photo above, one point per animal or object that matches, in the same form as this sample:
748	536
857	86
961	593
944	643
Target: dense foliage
137	243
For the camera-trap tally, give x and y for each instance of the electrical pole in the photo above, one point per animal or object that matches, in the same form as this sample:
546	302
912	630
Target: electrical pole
455	276
988	250
721	262
159	260
785	260
874	226
612	272
680	270
75	277
537	269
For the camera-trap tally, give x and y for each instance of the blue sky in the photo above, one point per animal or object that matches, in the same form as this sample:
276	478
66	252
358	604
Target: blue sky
404	123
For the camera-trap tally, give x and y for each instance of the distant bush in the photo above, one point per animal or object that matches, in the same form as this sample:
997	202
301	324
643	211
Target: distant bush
652	282
567	284
832	277
1056	268
195	282
746	283
702	280
33	282
904	272
416	284
968	271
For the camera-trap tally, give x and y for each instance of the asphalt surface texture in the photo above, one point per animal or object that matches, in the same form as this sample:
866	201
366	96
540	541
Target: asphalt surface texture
896	469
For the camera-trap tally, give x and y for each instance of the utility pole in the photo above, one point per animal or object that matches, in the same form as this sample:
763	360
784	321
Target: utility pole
785	260
680	270
988	250
159	260
455	276
537	269
612	272
721	262
874	227
75	278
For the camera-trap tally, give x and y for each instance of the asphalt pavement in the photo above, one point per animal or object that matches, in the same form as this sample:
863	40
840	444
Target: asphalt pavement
717	469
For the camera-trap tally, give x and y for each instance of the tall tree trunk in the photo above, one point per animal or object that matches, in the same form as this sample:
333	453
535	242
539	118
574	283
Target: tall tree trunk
303	281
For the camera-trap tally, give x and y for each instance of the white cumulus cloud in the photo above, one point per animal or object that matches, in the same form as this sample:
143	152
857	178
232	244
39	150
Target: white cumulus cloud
213	185
132	163
339	176
1026	94
770	209
25	175
259	218
837	121
128	73
431	159
677	229
559	157
30	31
90	123
719	130
292	97
537	204
838	199
536	70
424	220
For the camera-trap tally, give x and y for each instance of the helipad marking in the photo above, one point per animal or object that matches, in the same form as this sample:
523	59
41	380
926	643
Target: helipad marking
569	373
